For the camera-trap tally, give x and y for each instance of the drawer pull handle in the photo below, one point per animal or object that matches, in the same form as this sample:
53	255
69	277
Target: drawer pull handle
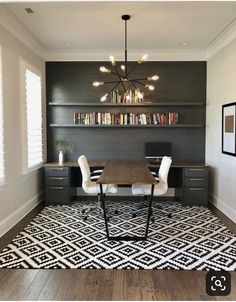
197	169
197	189
57	169
57	178
196	178
56	188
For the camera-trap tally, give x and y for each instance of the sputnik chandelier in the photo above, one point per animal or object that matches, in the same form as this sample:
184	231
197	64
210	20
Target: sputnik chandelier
124	76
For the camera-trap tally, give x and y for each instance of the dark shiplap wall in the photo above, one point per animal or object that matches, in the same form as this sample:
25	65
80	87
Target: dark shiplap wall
179	82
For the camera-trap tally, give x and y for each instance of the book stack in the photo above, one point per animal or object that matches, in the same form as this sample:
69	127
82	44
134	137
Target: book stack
107	118
129	97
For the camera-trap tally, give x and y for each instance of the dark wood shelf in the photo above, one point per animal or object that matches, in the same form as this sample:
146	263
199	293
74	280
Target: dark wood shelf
73	104
127	126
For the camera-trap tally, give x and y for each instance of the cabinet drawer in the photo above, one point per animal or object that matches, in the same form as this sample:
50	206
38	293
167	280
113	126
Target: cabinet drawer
196	172
56	181
57	195
196	196
196	182
56	171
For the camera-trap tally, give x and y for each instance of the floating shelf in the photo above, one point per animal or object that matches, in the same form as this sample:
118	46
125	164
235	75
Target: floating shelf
127	126
124	104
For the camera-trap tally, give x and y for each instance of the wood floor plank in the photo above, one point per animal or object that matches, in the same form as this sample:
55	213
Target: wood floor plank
16	284
57	285
107	283
38	283
119	285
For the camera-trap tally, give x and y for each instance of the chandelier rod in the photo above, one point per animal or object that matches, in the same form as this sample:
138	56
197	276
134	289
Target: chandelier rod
125	18
125	48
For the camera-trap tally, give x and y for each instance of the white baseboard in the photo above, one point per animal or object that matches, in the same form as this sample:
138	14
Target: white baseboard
223	207
20	213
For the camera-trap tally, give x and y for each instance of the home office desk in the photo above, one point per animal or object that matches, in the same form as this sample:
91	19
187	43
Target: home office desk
190	180
126	173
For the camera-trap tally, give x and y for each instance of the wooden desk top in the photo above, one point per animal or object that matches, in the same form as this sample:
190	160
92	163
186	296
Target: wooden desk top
102	163
123	172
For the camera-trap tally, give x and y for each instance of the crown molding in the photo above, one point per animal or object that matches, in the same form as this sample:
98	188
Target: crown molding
133	55
223	37
13	25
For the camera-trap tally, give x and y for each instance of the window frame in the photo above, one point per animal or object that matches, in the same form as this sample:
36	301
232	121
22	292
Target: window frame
24	66
3	178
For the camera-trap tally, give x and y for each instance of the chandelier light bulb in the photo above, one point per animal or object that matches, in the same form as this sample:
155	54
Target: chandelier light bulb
143	58
153	78
104	69
104	97
97	84
112	59
122	67
150	87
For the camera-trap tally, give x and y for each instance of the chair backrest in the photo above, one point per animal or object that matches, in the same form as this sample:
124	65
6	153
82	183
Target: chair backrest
164	171
85	171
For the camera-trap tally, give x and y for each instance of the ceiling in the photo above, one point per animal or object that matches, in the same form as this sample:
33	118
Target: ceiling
90	27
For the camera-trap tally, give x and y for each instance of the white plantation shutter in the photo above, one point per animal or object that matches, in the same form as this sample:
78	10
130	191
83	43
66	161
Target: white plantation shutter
2	162
34	131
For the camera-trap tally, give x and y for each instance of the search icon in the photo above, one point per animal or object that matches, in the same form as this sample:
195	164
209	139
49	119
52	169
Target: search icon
218	283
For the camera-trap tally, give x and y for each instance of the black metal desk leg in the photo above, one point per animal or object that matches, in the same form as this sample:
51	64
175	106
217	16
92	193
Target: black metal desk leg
149	210
104	210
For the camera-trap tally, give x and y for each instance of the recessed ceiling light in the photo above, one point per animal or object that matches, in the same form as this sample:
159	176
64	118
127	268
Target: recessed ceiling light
29	10
185	43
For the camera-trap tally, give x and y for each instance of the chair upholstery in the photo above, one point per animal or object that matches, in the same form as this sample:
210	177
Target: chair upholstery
162	185
90	186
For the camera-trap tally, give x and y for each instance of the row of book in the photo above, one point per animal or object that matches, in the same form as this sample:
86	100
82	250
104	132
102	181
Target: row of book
129	97
105	118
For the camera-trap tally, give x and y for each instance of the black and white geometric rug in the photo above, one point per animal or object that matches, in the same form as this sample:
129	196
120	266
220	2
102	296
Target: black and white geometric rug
193	239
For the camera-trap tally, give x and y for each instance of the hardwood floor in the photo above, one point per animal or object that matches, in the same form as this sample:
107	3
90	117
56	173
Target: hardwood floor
36	284
106	285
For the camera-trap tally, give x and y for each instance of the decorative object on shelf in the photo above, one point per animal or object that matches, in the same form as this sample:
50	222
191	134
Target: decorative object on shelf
124	77
60	157
62	146
229	129
129	97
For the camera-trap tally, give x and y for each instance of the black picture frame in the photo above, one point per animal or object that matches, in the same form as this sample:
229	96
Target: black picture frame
229	129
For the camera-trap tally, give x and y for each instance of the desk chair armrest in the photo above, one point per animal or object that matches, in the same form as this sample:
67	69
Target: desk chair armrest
97	171
155	176
95	175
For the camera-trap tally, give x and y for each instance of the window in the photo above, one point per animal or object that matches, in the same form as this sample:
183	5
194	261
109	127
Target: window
2	161
33	147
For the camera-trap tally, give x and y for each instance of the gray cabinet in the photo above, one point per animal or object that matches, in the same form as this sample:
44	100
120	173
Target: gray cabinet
195	188
58	188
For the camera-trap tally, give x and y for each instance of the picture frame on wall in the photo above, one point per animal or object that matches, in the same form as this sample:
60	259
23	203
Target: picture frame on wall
229	129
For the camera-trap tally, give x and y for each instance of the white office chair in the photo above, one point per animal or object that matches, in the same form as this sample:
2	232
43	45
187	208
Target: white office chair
89	184
161	187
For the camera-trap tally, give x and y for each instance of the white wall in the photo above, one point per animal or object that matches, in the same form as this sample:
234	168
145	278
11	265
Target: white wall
221	89
21	193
